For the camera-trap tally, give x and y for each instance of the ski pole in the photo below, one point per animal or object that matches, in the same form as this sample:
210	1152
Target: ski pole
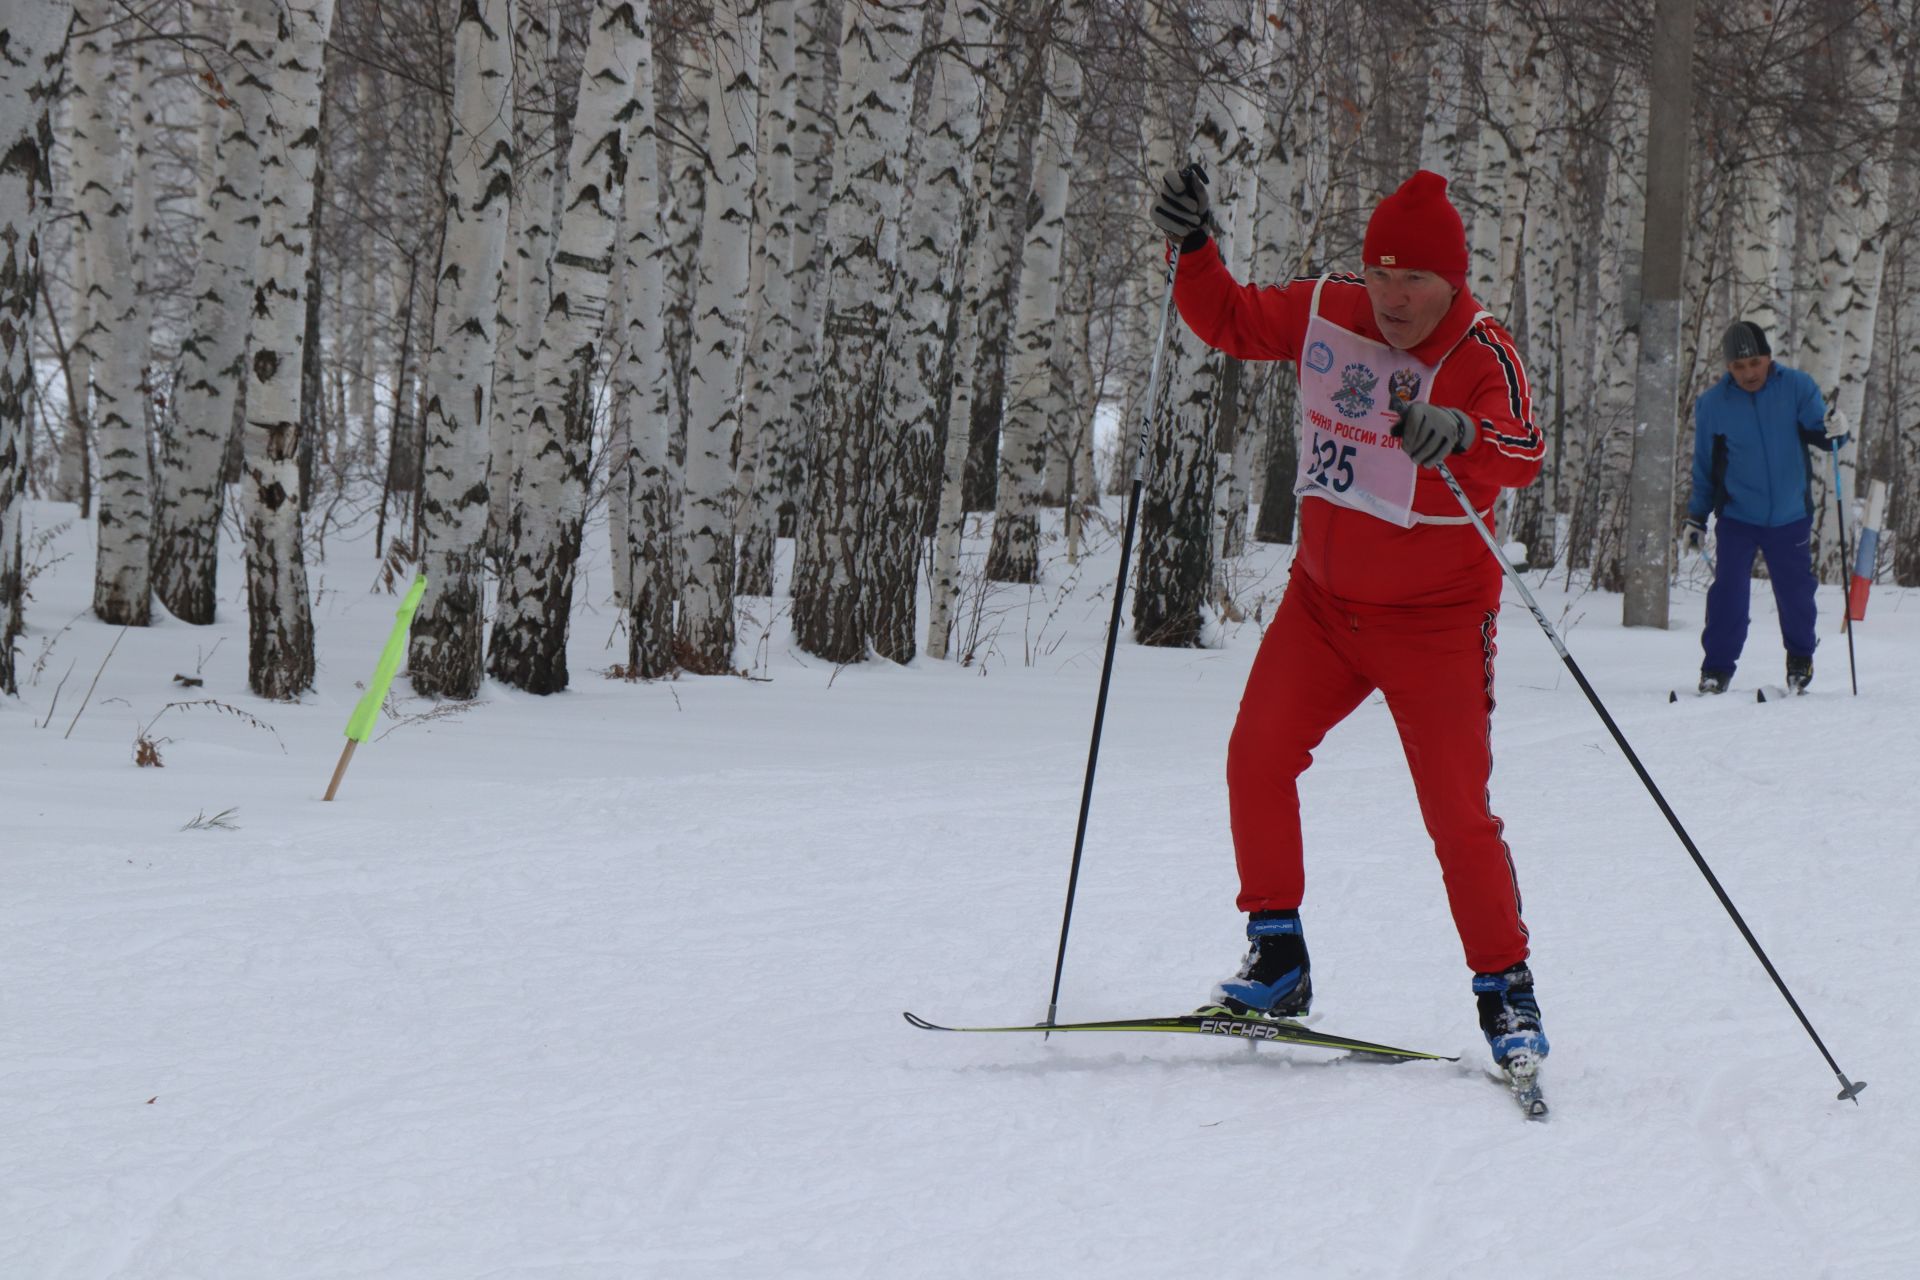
1846	563
1849	1089
1140	446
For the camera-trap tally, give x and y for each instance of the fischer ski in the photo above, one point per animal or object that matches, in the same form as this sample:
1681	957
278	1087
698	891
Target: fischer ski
1221	1022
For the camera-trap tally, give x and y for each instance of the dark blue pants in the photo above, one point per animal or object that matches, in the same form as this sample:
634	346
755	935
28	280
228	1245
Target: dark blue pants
1789	565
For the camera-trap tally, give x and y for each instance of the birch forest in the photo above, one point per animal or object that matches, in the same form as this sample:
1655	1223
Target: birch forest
793	300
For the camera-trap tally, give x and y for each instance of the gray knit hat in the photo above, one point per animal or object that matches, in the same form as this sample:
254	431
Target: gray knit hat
1744	340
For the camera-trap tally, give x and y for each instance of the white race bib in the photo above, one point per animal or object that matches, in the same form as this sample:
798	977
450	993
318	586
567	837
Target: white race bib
1351	391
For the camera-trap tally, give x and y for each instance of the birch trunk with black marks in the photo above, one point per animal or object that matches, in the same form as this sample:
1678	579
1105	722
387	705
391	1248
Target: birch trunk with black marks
279	614
912	422
1015	553
1176	516
1837	337
643	389
831	605
33	42
529	642
536	36
122	582
444	656
769	375
720	324
207	386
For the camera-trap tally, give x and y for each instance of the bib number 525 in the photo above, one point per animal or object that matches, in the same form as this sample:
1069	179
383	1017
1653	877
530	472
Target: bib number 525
1332	463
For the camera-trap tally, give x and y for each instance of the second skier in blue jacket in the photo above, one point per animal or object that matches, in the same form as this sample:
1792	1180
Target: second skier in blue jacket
1751	469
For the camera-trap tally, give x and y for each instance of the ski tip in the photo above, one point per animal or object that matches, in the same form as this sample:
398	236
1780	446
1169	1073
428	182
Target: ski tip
1759	695
914	1019
1673	695
1852	1091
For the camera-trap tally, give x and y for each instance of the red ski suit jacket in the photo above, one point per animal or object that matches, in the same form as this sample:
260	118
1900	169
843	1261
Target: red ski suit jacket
1355	556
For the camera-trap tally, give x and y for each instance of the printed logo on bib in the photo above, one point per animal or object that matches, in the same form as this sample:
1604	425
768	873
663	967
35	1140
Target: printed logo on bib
1319	357
1403	388
1355	396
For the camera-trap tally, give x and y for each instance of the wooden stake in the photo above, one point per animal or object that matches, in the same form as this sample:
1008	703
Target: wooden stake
340	770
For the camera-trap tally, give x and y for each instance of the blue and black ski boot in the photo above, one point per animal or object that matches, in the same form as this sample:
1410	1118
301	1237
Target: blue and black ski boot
1799	671
1274	980
1510	1015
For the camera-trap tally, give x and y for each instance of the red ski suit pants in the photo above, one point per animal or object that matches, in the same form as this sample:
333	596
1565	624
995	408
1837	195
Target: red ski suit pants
1320	659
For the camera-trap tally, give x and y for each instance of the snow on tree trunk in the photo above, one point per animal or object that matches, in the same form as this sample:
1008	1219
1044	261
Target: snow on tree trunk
33	43
444	656
770	375
279	615
193	449
122	583
720	323
643	391
1837	338
831	608
1015	553
922	351
529	643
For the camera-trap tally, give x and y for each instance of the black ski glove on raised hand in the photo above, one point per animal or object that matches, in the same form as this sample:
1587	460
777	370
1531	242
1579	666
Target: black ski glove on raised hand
1181	210
1693	535
1430	434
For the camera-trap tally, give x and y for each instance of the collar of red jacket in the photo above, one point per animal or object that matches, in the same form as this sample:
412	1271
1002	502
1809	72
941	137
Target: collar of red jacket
1446	335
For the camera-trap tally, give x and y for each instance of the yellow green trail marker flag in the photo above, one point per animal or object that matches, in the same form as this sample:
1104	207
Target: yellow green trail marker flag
360	724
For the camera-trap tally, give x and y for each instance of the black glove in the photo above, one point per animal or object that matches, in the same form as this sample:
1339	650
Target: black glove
1181	211
1693	535
1430	434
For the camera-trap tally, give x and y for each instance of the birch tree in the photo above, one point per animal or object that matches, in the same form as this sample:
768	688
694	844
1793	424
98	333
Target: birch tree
445	654
1176	514
1837	338
1015	553
770	345
1278	252
911	419
279	614
529	643
207	385
33	41
643	389
831	609
122	584
720	324
536	33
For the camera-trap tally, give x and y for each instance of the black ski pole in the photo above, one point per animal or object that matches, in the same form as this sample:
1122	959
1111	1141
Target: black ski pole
1849	1089
1846	565
1140	446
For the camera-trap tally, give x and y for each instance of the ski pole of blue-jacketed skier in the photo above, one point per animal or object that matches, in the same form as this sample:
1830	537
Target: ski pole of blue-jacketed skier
1849	1089
1178	214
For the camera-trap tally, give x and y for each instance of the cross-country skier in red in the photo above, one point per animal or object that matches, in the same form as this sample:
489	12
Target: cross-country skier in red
1391	588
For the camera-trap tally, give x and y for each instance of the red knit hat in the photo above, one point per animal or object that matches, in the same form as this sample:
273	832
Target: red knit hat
1418	229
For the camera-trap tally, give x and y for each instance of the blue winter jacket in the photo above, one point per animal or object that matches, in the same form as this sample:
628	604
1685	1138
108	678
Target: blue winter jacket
1750	458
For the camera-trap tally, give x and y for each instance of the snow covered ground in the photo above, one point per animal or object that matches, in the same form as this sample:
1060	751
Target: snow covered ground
609	984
